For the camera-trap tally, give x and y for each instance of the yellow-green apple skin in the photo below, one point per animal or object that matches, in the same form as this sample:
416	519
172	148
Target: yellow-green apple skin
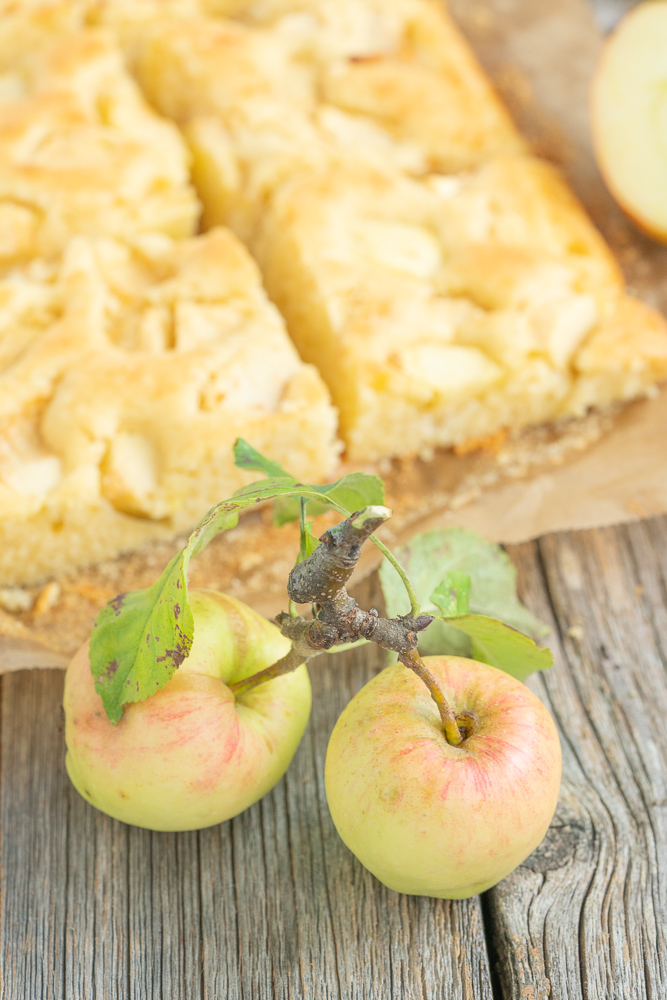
192	755
629	116
431	819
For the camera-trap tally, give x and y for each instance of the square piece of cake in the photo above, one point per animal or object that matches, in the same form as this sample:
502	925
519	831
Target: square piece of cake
450	309
126	373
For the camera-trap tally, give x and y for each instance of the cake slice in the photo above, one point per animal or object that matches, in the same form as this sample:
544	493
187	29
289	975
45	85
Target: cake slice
445	310
126	373
82	153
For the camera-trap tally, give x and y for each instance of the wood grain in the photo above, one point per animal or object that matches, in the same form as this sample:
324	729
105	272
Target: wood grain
33	816
586	915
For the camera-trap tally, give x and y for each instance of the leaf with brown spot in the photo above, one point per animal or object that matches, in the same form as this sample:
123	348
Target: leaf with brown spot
142	637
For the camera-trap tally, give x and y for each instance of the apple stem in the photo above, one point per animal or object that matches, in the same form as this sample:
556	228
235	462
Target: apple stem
391	558
413	660
289	662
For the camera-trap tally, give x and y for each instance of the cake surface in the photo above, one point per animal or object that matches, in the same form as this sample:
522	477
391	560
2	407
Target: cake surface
288	86
126	373
367	74
81	152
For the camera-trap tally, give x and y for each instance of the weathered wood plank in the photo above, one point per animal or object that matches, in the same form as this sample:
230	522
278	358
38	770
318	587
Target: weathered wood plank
33	814
164	915
96	941
586	916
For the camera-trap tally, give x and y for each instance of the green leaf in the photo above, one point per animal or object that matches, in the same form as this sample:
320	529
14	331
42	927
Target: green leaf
429	557
353	491
285	510
441	639
245	457
438	562
452	594
309	542
501	646
141	638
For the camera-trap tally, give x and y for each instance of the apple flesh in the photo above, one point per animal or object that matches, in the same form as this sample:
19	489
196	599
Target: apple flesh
193	754
629	116
428	818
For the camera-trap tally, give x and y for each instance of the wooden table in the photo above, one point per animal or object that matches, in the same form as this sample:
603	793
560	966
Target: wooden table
272	904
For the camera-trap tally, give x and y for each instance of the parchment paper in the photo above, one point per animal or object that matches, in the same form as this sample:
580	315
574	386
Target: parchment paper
603	469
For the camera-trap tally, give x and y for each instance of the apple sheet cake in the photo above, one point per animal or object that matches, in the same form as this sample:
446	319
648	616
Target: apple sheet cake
444	283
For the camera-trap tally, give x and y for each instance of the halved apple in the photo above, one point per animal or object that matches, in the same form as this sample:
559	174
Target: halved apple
629	116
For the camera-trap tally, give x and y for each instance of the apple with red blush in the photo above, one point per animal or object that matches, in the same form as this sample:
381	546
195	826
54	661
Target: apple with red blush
430	818
195	753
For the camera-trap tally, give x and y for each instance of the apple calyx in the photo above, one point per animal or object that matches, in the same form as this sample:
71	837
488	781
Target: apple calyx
320	580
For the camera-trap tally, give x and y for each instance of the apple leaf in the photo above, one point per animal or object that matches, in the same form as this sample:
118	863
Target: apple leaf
502	646
452	594
154	637
285	509
353	491
309	542
140	638
246	457
429	557
494	627
441	639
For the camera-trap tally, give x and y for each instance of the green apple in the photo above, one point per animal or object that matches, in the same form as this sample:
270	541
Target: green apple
193	754
432	819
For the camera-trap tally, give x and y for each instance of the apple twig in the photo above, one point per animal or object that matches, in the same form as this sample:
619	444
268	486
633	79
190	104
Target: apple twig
321	580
